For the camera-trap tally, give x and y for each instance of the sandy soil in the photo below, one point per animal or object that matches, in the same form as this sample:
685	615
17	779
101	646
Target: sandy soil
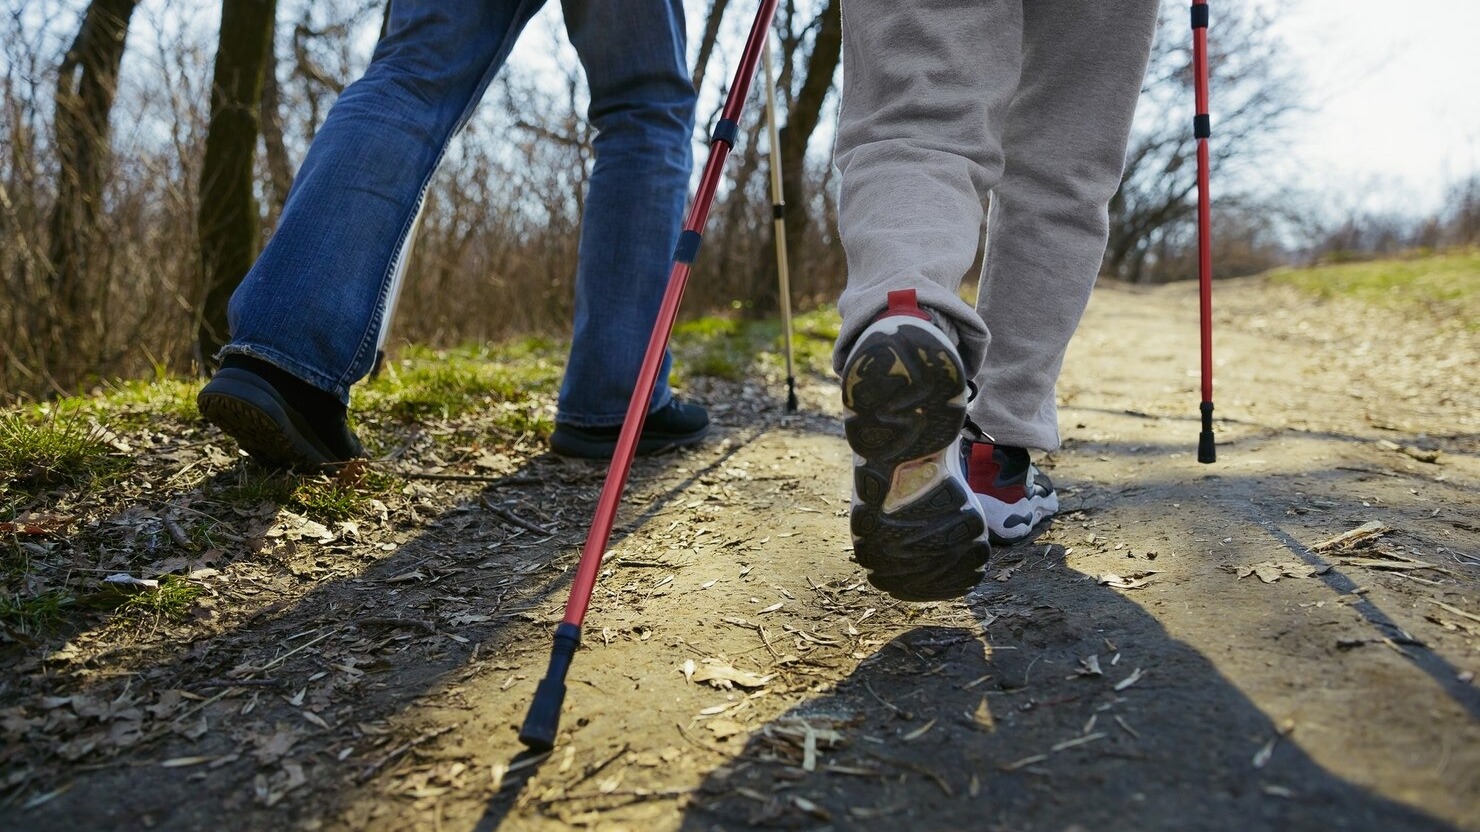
1178	651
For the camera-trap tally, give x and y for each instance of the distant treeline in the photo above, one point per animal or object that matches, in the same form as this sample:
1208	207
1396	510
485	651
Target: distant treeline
150	147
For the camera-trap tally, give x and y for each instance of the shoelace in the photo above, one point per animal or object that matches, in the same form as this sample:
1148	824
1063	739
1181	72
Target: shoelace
971	392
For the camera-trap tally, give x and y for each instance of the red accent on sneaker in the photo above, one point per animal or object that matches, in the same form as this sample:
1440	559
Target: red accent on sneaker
983	471
904	302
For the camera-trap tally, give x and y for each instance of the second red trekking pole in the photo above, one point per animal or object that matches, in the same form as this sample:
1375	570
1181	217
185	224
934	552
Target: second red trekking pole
543	720
1202	130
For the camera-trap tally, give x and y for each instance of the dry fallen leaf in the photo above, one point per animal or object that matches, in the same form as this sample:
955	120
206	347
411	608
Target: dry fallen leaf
725	676
1135	580
982	717
1129	680
1365	533
725	728
123	579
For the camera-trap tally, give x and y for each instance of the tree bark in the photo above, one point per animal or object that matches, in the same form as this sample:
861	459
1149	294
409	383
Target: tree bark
279	161
708	39
86	85
228	210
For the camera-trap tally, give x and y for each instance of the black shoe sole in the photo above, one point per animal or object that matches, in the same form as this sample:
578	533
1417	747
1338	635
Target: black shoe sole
249	410
905	391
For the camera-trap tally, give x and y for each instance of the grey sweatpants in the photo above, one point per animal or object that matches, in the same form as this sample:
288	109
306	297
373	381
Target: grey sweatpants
948	101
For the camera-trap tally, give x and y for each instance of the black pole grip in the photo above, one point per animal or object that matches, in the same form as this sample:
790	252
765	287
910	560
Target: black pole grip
1207	452
542	722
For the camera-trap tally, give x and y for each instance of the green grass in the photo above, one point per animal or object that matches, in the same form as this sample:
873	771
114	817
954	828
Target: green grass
1444	285
40	448
140	402
325	499
35	614
439	384
171	600
318	498
734	348
255	486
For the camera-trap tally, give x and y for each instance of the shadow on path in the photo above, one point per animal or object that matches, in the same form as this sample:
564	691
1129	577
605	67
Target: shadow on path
1009	728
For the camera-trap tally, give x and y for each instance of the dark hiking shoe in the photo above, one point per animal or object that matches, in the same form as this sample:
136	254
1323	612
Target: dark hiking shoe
675	425
1013	494
279	428
917	528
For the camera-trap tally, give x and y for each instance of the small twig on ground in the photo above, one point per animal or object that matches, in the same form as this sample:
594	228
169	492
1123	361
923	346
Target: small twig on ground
603	764
397	622
1456	610
713	749
898	711
172	526
280	659
239	683
514	519
402	749
635	795
918	769
493	482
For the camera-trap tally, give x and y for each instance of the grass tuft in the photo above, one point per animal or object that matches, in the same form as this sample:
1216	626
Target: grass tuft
171	600
35	614
319	498
52	449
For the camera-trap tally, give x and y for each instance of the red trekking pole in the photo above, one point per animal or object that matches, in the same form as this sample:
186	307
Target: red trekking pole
543	720
1202	129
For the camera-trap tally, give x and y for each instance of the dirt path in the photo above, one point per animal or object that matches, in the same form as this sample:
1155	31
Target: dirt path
1171	654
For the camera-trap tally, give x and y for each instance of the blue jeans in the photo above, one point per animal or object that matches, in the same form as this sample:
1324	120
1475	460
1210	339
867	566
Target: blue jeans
314	302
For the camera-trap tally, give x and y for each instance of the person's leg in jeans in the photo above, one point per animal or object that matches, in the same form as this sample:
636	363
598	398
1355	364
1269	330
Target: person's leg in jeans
305	320
642	106
312	304
1064	146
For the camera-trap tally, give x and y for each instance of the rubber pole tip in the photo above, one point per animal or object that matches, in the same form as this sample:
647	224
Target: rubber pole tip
542	722
1207	451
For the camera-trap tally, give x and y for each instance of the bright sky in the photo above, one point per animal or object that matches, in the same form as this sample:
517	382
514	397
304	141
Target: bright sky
1395	89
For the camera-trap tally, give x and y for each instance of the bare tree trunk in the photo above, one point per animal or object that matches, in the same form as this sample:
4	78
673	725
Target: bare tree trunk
228	210
86	84
707	41
279	162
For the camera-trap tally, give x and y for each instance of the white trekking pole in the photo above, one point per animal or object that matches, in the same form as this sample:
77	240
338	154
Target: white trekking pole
398	280
778	209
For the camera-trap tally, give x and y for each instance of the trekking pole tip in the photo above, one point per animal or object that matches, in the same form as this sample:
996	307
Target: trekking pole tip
1207	451
542	722
791	395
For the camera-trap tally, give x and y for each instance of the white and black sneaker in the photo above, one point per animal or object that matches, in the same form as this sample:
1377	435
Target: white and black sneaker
1013	494
917	528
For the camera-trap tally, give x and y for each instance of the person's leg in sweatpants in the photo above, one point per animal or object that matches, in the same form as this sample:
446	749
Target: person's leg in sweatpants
1065	142
1064	150
926	92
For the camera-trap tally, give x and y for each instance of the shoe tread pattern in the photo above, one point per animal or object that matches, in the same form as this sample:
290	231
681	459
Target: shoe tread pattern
904	394
256	432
